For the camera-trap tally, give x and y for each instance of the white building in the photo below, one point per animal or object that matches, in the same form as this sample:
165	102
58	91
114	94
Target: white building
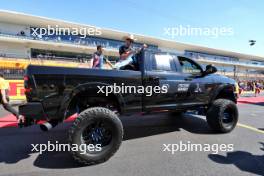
18	40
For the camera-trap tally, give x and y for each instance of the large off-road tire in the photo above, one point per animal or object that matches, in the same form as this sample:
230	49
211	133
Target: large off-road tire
97	126
222	115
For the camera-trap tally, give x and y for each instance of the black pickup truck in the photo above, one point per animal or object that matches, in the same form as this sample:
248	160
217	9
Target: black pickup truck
158	81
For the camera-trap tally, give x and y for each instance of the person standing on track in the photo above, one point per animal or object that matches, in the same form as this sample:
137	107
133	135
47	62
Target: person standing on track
4	99
256	88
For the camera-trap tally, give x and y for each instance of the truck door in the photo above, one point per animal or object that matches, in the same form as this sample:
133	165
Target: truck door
199	86
160	72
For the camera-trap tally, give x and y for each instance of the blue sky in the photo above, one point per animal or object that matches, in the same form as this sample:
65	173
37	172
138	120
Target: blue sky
150	17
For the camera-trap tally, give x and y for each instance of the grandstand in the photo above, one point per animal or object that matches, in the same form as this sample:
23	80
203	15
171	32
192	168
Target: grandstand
20	46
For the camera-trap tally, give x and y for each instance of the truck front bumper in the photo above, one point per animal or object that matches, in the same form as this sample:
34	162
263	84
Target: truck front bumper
32	110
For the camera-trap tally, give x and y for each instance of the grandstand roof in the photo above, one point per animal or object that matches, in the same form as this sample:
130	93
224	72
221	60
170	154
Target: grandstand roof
31	20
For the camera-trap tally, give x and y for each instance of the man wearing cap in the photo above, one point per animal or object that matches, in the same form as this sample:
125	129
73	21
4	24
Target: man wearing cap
4	87
126	49
127	52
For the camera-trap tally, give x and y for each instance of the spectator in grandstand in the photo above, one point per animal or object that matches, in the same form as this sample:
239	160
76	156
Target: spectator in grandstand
98	58
4	99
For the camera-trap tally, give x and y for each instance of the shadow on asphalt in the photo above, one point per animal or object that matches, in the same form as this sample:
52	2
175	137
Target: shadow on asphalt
143	126
244	161
15	143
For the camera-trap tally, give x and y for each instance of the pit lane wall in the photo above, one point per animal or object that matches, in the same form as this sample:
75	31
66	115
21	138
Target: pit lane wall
16	90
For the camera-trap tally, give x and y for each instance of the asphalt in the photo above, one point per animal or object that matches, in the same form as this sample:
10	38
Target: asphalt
141	152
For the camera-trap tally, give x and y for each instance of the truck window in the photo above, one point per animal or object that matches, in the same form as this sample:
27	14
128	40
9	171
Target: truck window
189	66
163	63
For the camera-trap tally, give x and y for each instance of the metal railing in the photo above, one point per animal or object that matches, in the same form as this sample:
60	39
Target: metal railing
112	44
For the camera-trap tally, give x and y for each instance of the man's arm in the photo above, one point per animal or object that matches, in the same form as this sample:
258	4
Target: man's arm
108	62
125	55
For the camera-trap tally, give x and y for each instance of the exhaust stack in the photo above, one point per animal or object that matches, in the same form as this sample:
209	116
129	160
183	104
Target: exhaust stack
48	125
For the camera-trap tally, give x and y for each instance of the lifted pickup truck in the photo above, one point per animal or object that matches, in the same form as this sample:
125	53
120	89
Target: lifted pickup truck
55	93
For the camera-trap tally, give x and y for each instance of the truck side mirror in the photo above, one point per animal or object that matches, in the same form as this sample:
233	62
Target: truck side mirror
210	69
